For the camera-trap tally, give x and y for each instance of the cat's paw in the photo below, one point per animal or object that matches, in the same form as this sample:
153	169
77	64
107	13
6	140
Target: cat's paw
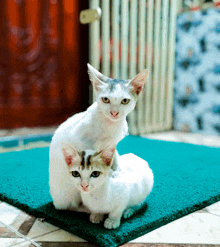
112	223
96	218
128	213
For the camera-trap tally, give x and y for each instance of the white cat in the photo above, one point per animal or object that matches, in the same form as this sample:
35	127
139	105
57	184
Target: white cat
102	124
102	190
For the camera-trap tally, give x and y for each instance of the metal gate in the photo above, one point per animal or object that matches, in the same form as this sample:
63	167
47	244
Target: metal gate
130	36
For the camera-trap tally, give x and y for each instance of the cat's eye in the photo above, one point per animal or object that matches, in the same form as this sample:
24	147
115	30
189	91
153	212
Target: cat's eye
125	101
95	174
75	174
105	100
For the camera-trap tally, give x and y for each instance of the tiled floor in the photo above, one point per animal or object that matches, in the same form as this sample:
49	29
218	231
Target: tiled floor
198	229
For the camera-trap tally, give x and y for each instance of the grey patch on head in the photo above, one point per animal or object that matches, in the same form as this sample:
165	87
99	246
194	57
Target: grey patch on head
113	82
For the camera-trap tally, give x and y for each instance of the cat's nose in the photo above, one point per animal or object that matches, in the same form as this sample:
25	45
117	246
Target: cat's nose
84	185
114	113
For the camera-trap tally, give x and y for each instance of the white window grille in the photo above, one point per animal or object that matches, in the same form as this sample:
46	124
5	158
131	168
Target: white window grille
130	36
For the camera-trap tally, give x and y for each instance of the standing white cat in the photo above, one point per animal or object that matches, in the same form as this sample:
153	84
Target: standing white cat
102	124
104	191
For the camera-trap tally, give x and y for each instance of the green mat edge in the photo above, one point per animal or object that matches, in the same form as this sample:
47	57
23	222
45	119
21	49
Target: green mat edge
155	225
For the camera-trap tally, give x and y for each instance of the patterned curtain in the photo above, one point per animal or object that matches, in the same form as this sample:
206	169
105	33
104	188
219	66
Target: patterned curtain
39	62
197	82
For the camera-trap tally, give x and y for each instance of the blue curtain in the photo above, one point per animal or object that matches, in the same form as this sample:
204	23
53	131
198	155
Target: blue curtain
197	72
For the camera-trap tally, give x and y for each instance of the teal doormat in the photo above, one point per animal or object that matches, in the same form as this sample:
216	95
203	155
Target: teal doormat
187	178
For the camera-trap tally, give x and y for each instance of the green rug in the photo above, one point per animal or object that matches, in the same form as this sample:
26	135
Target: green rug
187	178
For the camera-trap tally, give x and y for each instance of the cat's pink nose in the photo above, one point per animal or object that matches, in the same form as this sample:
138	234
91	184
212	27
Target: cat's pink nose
114	113
84	186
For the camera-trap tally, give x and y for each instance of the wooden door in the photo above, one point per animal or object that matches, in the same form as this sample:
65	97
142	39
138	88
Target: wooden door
41	65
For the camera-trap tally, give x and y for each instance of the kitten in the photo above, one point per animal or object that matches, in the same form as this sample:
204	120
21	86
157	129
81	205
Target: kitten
102	124
104	191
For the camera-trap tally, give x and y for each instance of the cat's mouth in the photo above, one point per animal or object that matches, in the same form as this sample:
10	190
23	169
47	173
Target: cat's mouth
114	117
110	119
85	189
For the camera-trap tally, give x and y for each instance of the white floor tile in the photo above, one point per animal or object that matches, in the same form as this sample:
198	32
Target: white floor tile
6	242
27	244
195	228
214	209
60	236
41	228
8	213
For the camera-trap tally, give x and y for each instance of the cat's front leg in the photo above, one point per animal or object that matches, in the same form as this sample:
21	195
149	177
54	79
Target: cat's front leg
96	218
65	205
60	206
128	212
111	223
66	201
114	219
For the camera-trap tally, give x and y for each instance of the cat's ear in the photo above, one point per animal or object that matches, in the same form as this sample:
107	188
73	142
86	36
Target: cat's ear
69	153
137	83
96	77
107	155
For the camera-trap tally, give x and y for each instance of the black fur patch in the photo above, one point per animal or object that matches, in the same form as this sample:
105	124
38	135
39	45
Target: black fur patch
83	160
88	163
